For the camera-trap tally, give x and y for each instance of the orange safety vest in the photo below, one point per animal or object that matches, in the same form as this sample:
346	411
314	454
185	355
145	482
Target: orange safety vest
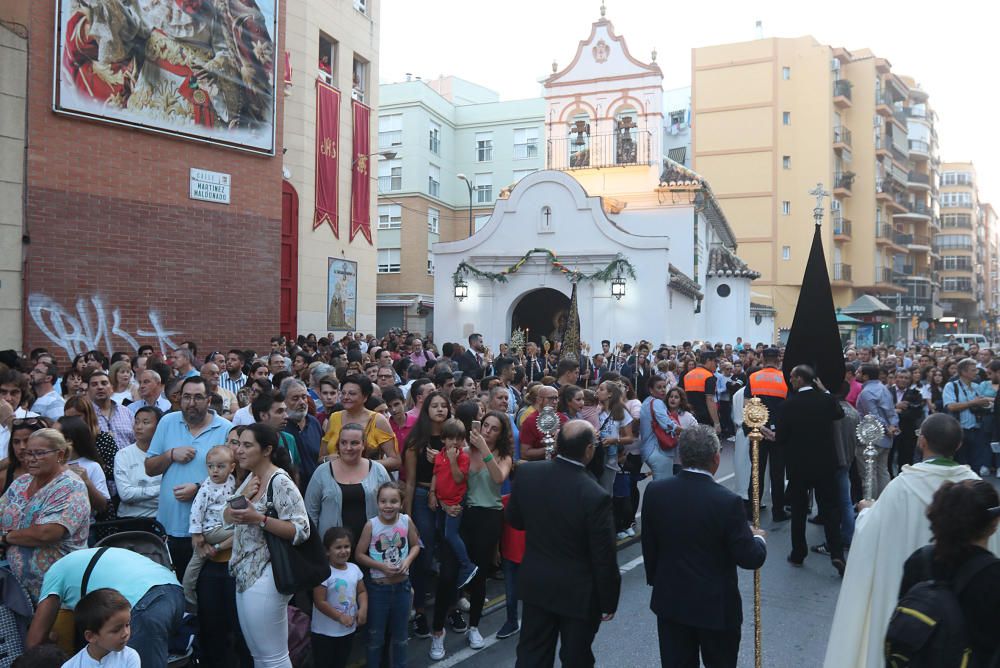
768	382
694	380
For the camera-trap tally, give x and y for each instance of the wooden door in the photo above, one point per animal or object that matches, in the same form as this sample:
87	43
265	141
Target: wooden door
289	260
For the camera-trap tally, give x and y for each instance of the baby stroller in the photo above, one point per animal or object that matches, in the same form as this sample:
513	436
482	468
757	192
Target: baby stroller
147	537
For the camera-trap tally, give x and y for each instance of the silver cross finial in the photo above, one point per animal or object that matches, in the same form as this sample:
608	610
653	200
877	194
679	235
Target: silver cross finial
819	194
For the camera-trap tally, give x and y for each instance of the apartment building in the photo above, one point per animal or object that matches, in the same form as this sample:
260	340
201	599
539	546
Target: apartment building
966	244
771	118
451	146
331	279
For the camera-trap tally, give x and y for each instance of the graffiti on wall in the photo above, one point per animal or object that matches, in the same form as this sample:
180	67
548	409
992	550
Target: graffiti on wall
92	324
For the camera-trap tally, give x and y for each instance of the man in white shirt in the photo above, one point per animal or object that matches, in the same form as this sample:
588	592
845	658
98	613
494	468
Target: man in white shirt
150	392
49	403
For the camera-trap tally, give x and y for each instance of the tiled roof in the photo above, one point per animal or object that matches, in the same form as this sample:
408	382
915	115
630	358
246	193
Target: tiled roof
723	263
683	284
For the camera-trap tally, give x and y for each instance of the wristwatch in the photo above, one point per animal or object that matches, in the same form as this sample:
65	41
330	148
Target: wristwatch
263	522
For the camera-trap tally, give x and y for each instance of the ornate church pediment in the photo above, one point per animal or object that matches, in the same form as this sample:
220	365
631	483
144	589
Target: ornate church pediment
603	55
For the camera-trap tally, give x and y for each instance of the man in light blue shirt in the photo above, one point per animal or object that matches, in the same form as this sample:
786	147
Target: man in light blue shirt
177	451
876	400
960	397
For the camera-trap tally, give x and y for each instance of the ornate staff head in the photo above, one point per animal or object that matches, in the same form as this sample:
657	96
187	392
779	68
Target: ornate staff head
870	432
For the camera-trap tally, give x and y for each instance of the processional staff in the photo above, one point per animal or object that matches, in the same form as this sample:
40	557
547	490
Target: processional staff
870	431
755	416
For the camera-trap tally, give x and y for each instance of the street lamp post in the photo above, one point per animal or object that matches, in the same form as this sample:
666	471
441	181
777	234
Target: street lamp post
463	177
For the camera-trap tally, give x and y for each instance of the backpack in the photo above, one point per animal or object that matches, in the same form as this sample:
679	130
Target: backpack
927	628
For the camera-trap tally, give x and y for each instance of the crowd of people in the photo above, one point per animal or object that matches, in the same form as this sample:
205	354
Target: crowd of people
393	460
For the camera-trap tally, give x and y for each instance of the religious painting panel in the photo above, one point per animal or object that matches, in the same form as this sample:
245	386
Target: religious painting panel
342	295
198	69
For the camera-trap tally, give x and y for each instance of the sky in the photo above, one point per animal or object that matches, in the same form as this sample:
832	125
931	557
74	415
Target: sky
949	48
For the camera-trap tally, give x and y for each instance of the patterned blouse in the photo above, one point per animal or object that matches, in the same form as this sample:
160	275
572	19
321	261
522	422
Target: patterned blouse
250	553
63	501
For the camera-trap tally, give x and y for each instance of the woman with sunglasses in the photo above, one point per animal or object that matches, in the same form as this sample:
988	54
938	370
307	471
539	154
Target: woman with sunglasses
45	514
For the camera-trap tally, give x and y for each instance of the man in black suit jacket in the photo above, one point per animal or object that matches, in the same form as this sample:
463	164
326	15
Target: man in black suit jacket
472	360
569	580
805	435
694	535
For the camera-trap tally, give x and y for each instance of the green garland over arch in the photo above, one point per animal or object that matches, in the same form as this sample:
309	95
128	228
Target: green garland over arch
620	265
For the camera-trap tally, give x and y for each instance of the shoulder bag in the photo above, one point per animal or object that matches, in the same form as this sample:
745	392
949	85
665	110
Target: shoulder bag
295	567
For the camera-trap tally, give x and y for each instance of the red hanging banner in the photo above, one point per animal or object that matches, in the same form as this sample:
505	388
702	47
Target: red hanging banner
327	156
361	177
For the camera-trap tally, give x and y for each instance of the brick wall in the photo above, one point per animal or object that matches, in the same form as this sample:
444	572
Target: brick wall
119	254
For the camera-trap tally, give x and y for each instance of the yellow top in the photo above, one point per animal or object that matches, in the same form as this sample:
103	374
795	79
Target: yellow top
374	436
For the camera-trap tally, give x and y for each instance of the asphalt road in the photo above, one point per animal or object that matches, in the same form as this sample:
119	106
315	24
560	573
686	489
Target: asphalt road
797	607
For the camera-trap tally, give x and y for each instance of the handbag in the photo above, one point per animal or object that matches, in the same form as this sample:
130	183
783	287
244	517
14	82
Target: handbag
295	567
665	440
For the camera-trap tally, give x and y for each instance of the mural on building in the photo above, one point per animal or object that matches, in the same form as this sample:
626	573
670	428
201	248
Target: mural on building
195	68
92	324
342	295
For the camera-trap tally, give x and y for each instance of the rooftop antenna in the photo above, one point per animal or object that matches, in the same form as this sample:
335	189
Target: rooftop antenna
759	29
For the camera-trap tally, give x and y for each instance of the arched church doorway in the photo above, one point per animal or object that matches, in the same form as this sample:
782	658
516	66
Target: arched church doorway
543	312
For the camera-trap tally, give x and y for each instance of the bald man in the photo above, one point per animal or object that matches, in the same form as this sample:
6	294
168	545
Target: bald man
568	580
532	439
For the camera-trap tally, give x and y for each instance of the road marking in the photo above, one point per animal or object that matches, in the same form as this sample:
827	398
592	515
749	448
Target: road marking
468	652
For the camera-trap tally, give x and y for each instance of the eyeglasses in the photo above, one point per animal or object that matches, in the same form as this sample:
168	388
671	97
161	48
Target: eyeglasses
38	454
193	399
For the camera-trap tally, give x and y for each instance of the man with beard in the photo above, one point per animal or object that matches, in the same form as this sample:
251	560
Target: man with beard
177	452
304	428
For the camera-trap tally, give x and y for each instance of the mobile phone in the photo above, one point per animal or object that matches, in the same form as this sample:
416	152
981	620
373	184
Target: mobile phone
238	502
477	425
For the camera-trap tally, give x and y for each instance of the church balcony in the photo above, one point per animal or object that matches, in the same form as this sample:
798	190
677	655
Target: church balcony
583	151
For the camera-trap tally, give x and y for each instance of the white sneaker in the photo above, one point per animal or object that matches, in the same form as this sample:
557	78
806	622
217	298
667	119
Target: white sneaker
463	604
631	532
437	647
475	639
622	535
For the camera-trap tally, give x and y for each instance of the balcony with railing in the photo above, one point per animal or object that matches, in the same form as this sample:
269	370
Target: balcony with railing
919	242
842	93
841	228
956	264
841	273
884	276
841	139
842	183
918	181
919	149
582	151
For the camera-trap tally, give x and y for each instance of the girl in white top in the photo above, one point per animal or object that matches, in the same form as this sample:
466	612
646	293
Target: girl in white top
340	603
616	430
85	461
140	493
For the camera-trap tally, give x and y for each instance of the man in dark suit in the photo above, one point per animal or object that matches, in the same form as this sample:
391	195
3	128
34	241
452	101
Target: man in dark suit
569	580
805	435
694	535
473	360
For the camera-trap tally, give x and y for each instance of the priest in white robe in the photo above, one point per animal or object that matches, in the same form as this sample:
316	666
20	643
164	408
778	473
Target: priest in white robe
887	533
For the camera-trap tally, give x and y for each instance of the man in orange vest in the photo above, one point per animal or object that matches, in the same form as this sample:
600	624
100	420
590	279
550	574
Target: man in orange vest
699	384
768	384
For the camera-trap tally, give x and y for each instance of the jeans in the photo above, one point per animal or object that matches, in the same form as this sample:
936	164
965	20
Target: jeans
155	619
426	523
451	527
388	605
510	569
217	619
975	450
264	621
846	506
181	550
661	463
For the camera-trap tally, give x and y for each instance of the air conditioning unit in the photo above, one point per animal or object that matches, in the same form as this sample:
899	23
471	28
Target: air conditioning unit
835	65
